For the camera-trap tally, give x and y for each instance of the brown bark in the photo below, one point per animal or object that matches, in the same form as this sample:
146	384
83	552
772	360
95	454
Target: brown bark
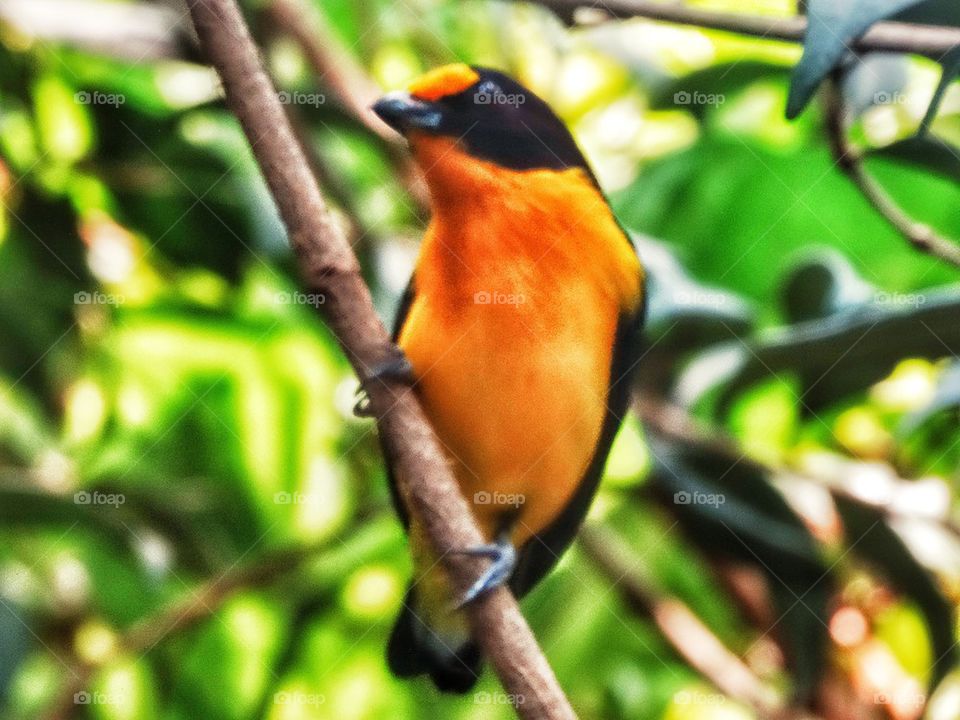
329	267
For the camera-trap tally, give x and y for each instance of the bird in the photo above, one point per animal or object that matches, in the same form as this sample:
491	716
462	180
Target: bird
519	332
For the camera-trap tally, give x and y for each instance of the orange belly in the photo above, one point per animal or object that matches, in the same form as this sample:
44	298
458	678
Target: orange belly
516	392
521	282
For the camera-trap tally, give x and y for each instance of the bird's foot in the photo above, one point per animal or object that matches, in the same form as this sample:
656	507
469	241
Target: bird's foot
396	369
504	559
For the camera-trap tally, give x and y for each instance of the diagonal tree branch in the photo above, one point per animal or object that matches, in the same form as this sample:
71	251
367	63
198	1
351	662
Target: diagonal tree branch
329	267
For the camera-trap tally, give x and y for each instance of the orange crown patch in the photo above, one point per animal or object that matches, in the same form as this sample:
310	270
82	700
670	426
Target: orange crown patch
443	81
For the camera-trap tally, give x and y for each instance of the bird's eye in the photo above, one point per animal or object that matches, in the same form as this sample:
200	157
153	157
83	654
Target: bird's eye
486	93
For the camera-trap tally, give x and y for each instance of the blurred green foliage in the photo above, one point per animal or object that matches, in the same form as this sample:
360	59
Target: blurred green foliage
172	409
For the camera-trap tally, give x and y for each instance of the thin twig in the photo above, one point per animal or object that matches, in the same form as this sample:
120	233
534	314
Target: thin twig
329	267
183	614
335	67
850	160
680	626
675	423
332	63
927	40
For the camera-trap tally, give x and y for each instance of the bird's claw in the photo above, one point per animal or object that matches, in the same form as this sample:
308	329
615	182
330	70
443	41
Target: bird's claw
504	559
396	369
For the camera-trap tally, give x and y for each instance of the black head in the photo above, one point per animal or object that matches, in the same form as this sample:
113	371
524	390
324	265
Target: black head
490	114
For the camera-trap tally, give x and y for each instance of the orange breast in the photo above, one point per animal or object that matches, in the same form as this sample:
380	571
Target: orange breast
519	288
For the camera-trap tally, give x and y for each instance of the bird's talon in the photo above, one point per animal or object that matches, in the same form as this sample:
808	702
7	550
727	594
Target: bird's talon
504	559
397	369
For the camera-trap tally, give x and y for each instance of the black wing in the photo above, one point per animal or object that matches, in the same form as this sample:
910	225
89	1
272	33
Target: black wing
406	300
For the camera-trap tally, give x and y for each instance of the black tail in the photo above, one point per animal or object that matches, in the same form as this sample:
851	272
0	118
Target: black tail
414	649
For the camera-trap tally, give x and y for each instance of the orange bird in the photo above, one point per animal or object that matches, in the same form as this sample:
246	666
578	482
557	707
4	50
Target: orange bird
519	330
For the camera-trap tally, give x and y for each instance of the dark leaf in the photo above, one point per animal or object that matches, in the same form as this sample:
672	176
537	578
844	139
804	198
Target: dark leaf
841	355
21	505
714	81
834	26
15	631
730	510
682	313
927	153
951	68
821	285
931	12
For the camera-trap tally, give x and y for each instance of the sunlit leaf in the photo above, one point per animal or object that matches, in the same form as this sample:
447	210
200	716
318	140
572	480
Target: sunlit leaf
871	538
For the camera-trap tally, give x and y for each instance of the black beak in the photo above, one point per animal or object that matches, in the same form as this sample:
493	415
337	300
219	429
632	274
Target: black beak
403	112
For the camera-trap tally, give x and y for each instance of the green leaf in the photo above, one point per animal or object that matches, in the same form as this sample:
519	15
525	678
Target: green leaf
66	130
24	505
240	644
24	431
870	537
946	396
734	210
124	690
682	313
724	79
834	26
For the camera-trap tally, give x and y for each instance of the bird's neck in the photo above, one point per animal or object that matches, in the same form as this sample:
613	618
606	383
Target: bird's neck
495	225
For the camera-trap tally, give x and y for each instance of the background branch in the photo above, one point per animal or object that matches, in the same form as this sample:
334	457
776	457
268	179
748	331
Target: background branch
185	613
850	159
334	67
329	267
134	31
928	40
680	626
